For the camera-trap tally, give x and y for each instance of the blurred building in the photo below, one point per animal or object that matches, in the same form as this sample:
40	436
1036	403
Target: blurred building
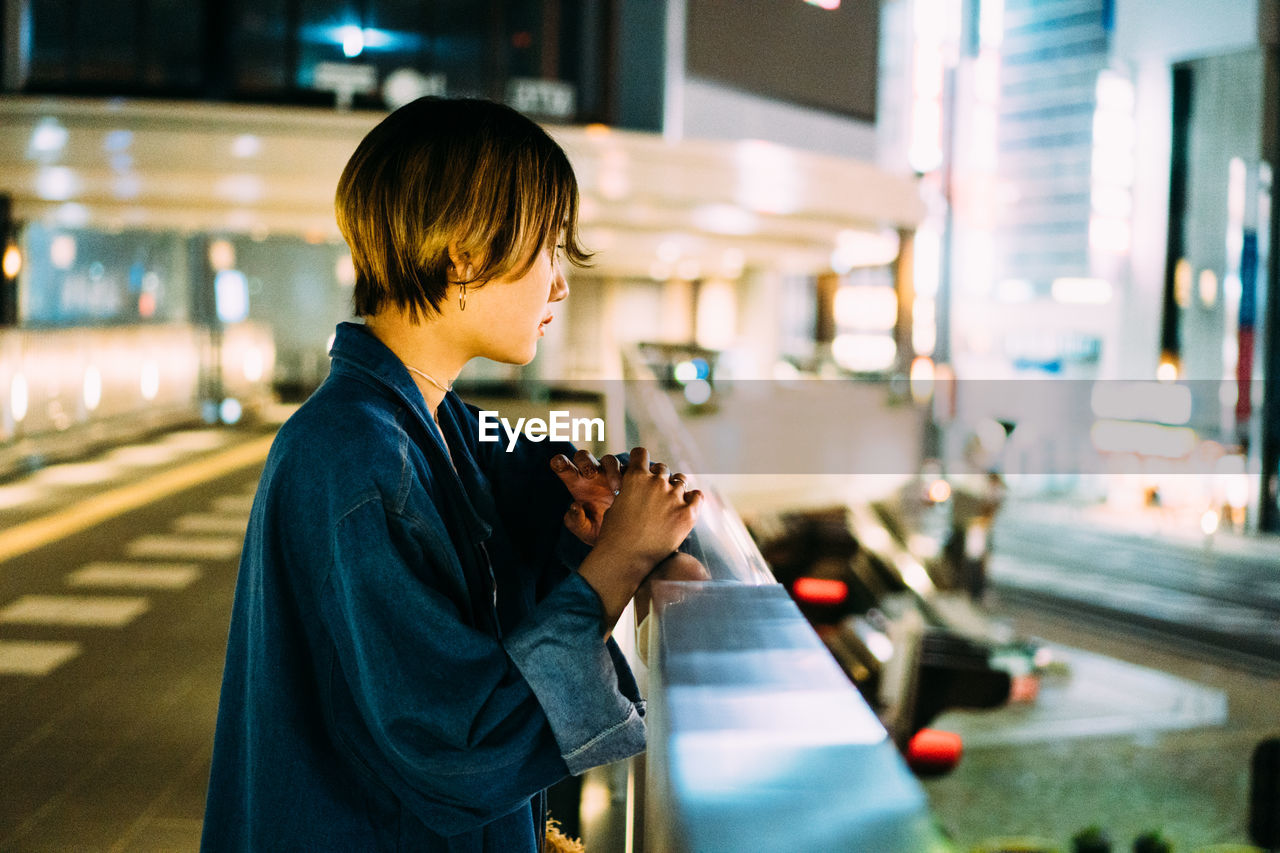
1099	175
725	153
1094	178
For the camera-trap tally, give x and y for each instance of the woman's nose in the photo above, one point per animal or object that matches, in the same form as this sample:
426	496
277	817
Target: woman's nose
559	287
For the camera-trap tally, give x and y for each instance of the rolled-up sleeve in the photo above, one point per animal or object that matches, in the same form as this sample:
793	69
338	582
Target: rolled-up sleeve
583	685
463	726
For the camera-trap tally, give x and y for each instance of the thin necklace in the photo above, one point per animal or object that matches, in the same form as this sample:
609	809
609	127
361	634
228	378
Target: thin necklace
445	388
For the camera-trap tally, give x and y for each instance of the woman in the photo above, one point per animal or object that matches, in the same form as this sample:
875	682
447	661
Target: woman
419	642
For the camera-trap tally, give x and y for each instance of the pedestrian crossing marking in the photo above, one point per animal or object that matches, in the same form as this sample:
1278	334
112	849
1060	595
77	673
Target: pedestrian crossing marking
144	455
20	494
162	546
76	474
135	575
39	532
34	657
102	611
210	523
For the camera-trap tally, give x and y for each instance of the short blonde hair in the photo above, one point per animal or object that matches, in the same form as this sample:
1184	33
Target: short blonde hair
442	170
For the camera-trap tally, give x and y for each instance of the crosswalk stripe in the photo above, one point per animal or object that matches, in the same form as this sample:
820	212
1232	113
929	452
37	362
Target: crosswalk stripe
135	575
19	494
210	523
76	474
144	455
35	657
104	611
164	546
41	531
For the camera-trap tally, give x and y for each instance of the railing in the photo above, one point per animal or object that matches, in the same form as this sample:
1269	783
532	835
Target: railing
757	739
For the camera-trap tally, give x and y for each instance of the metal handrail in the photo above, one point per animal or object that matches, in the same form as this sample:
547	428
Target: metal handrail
757	740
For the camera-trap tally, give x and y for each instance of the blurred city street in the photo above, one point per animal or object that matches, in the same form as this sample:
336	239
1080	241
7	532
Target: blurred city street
964	315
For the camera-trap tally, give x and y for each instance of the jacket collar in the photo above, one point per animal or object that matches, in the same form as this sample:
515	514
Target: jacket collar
357	350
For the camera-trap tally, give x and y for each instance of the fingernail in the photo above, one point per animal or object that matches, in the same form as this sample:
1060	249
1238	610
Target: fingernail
559	464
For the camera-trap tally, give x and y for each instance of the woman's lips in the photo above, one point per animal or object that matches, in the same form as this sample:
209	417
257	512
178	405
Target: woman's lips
546	321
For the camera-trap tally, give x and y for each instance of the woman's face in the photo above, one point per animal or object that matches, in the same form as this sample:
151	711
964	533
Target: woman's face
508	315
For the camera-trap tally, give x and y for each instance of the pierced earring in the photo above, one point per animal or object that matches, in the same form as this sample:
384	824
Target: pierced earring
462	298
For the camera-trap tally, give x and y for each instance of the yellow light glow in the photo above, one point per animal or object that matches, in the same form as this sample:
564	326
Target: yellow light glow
939	491
1182	283
12	263
921	379
1167	371
222	255
1208	288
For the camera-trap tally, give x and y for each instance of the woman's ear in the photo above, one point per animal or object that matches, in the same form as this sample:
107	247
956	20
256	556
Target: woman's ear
460	261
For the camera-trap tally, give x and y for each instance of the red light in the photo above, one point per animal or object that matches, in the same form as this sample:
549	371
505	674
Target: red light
931	751
819	591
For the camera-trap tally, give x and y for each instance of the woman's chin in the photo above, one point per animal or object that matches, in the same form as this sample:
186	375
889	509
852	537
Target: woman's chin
514	356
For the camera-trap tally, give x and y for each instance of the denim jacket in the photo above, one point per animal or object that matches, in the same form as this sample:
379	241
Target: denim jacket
412	658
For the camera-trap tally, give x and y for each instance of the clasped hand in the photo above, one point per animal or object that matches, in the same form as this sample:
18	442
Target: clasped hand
596	484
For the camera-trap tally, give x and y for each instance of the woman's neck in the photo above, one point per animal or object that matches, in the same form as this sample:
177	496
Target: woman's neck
433	359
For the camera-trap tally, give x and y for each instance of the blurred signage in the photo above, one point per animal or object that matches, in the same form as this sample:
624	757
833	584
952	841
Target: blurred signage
549	98
345	80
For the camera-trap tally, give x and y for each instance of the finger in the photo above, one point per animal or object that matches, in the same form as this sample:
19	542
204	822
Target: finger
693	498
586	463
568	474
612	471
639	461
659	470
678	480
561	464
